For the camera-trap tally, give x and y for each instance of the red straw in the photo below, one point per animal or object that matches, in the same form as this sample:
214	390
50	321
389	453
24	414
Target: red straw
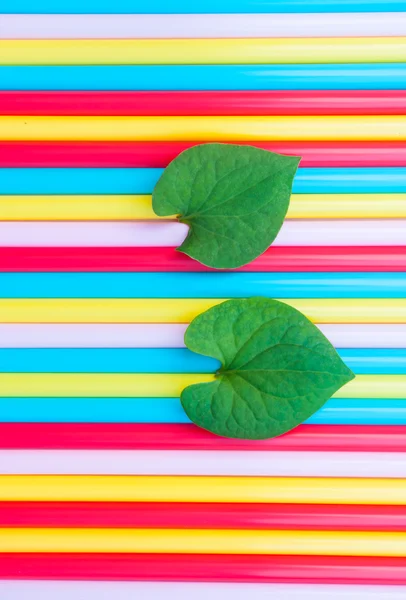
317	517
195	567
162	436
276	259
331	102
159	154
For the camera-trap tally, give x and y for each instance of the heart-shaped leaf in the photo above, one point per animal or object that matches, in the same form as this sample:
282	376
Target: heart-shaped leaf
277	369
234	199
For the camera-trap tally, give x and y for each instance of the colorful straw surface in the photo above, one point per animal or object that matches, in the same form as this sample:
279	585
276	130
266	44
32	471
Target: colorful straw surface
107	490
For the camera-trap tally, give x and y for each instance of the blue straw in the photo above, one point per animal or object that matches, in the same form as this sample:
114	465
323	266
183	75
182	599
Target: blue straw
202	285
105	360
169	410
380	76
194	7
348	411
142	181
173	360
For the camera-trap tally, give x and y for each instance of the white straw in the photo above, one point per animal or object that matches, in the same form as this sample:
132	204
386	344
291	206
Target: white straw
140	590
43	335
168	234
202	26
107	335
192	462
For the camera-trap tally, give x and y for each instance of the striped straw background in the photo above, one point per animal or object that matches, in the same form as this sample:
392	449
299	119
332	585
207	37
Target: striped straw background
106	489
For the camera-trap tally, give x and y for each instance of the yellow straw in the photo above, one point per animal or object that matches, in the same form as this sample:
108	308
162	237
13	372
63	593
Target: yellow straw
122	488
295	128
123	385
156	310
139	207
204	541
203	51
142	385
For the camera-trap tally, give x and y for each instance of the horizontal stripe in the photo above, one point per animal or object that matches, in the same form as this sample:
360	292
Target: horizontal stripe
338	411
153	360
202	285
255	569
87	181
209	6
159	154
372	310
201	489
275	259
193	516
367	102
206	129
166	234
140	335
107	335
149	436
352	412
129	385
92	410
375	361
204	541
127	590
173	360
208	568
124	385
142	181
228	463
127	207
200	52
64	26
362	76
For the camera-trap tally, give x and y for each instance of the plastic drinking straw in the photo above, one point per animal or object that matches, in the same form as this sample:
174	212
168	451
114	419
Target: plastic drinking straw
137	310
158	462
142	335
163	335
172	360
262	102
159	154
361	412
124	385
361	76
202	128
205	568
375	361
163	590
210	6
51	26
202	52
93	410
268	490
166	234
204	541
128	207
142	181
197	516
164	411
202	285
170	385
155	462
164	436
275	259
154	360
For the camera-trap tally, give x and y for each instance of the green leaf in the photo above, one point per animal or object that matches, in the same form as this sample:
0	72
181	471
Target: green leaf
234	199
277	369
